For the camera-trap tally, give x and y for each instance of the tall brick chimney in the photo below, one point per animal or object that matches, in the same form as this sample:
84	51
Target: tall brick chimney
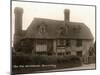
18	20
18	27
66	15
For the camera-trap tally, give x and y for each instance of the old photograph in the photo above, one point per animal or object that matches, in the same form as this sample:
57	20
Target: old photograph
48	37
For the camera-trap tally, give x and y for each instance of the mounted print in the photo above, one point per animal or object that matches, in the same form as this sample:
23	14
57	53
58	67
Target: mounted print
51	37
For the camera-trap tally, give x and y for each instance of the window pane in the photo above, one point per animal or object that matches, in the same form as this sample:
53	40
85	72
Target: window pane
79	53
68	53
79	43
60	42
68	43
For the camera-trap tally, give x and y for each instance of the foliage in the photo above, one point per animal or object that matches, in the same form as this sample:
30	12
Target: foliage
68	61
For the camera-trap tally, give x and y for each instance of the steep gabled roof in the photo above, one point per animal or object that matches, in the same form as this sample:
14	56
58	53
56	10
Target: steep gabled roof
72	30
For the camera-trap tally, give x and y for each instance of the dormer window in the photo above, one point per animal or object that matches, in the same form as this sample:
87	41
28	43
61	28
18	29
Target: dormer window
42	28
62	31
76	29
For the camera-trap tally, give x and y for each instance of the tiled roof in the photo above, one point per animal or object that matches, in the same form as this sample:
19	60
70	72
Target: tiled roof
53	28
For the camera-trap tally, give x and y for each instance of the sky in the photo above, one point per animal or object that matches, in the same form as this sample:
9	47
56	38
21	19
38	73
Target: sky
78	13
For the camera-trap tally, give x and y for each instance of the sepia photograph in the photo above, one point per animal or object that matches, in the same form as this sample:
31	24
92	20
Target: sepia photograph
52	37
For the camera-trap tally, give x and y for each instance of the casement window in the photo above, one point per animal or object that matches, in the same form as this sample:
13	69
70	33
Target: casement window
61	43
41	42
68	53
68	43
60	54
79	43
41	53
42	28
77	29
62	31
79	53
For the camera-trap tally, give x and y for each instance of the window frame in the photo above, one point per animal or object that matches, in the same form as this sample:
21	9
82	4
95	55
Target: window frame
68	43
61	43
79	43
77	53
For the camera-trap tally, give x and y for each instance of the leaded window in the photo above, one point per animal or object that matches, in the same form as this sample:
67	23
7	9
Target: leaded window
79	43
61	42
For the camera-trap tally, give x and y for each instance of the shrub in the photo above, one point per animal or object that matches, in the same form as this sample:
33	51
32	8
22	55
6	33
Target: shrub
20	60
67	61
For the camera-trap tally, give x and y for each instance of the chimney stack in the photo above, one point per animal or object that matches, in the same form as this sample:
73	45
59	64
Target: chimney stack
18	20
66	15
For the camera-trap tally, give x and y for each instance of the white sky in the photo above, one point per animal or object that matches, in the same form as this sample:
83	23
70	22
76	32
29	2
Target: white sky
85	14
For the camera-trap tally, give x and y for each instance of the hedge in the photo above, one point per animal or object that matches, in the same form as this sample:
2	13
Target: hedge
38	60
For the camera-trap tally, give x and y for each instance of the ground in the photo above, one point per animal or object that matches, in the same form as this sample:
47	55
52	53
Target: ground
83	67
